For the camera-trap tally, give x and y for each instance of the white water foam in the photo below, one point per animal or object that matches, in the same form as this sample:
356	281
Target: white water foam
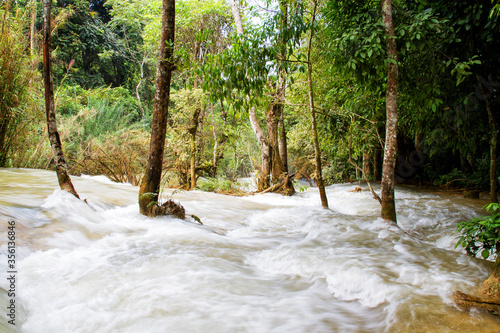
274	264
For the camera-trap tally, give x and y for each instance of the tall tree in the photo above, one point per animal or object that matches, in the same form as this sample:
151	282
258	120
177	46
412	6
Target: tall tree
273	145
283	149
266	164
486	95
150	185
388	204
317	152
55	141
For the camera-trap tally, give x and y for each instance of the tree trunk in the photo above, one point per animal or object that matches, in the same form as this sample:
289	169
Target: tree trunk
265	171
282	89
489	294
150	185
270	149
272	118
388	205
138	96
377	165
317	152
237	17
493	143
192	164
193	129
491	287
55	141
34	63
366	166
219	143
283	144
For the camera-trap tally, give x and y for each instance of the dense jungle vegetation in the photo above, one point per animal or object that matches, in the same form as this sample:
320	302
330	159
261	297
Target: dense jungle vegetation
105	54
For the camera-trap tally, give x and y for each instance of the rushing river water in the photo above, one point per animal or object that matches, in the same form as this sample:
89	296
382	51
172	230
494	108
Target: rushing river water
262	263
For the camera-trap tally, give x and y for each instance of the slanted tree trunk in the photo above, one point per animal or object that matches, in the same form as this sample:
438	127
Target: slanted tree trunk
55	141
317	152
150	184
388	205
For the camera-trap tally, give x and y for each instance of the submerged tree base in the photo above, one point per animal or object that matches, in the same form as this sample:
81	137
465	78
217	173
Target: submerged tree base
285	187
468	302
169	207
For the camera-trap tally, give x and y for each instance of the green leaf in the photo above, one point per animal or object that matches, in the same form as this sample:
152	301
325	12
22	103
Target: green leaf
485	254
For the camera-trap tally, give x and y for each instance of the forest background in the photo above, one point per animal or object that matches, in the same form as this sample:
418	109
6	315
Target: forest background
104	67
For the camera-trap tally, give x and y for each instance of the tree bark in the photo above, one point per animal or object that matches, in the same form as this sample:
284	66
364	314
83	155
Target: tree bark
55	141
219	143
265	171
377	165
283	147
493	143
137	87
317	152
150	185
34	63
193	129
491	287
237	17
388	205
366	166
282	89
272	117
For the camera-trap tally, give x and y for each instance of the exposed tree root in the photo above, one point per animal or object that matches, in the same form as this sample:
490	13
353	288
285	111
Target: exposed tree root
172	208
467	302
285	187
169	207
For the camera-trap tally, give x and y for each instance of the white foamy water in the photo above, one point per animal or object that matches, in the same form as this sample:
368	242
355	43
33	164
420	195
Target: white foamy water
263	263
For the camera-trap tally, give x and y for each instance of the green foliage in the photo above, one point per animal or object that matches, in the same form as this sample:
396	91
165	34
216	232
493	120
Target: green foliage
301	187
463	69
481	234
18	113
220	185
97	111
247	72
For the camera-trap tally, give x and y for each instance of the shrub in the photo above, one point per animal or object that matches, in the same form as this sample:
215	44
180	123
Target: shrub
481	234
220	185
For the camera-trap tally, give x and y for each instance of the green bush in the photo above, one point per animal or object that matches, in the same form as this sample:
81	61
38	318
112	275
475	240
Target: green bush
222	185
481	234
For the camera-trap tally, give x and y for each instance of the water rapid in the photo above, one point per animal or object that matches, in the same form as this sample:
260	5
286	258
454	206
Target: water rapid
262	263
